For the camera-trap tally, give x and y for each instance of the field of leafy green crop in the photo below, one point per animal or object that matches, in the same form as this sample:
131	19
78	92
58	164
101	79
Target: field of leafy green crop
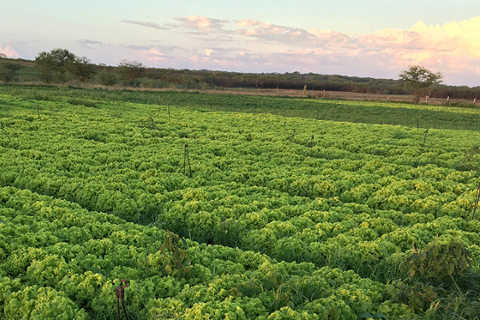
214	214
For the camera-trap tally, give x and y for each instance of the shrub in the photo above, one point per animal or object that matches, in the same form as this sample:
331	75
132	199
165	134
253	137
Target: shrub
52	66
130	71
82	68
107	78
8	70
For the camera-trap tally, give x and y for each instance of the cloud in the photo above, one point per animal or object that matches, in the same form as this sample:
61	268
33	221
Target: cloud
136	47
247	23
145	24
90	44
268	31
292	36
154	55
8	51
87	42
202	23
450	46
155	48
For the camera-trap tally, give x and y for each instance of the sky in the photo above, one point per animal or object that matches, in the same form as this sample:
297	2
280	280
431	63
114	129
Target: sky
366	38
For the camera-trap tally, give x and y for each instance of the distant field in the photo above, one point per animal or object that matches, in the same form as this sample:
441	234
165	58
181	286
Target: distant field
217	206
338	95
359	111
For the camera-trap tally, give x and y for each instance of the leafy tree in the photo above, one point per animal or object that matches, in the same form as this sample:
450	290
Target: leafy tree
53	65
106	78
8	70
418	79
130	71
44	65
82	68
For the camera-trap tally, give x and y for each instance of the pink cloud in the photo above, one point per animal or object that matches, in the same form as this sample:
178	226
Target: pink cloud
202	23
154	55
199	21
196	60
250	32
247	23
452	46
8	51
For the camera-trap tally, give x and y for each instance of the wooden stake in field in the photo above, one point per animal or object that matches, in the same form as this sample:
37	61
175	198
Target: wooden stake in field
474	100
425	138
304	90
324	93
311	142
448	98
426	99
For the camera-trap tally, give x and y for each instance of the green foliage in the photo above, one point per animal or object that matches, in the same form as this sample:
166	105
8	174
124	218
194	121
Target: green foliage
418	296
152	83
439	263
8	71
82	68
52	66
470	160
130	71
177	261
107	78
434	274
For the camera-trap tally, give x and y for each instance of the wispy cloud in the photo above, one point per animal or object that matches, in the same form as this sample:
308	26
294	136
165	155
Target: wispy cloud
135	47
146	24
157	54
90	44
202	23
8	51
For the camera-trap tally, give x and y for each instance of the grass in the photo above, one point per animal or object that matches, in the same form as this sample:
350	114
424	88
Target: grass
369	112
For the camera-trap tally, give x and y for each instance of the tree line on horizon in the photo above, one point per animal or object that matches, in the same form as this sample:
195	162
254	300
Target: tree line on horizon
61	66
